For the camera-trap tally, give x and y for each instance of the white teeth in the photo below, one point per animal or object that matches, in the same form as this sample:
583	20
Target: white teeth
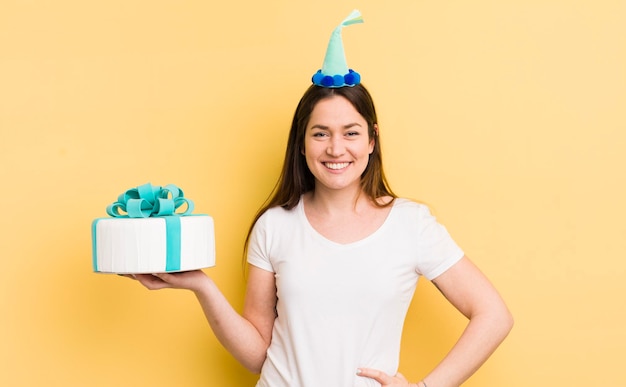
336	165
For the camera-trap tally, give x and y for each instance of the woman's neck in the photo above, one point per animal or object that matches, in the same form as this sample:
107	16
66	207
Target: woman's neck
337	201
342	216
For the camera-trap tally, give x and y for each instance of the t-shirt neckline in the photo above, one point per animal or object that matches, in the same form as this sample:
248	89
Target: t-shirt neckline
322	238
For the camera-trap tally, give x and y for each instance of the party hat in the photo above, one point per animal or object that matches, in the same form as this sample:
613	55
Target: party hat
335	71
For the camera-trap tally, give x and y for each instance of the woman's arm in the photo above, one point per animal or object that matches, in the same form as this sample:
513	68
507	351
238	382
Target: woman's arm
245	336
490	321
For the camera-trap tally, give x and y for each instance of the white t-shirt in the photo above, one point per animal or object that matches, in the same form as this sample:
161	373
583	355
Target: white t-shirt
342	306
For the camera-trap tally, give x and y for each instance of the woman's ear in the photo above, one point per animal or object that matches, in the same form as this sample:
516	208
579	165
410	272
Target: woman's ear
373	139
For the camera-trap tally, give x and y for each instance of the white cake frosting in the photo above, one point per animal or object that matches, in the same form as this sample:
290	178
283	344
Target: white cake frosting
150	231
139	245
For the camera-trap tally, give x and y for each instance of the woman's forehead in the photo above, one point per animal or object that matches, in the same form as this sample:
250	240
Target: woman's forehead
336	110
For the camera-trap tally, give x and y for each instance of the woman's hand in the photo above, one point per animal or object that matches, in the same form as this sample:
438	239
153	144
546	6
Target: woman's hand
191	280
384	379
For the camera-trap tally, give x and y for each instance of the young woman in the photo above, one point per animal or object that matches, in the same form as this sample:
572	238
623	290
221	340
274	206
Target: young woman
334	259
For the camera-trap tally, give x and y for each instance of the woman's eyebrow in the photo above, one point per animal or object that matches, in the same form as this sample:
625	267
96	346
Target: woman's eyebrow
324	127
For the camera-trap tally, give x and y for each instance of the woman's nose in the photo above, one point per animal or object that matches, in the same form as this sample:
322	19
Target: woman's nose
335	147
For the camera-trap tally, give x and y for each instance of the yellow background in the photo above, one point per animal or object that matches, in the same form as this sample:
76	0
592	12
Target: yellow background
506	117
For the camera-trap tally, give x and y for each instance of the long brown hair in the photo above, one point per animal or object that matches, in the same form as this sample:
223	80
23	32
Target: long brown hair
296	179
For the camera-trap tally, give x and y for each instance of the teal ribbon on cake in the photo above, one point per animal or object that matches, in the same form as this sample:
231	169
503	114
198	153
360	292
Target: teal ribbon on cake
147	201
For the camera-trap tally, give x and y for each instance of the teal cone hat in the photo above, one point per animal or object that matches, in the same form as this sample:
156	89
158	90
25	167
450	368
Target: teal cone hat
335	71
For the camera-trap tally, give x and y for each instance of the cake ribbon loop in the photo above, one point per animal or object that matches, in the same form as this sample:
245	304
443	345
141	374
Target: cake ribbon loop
148	200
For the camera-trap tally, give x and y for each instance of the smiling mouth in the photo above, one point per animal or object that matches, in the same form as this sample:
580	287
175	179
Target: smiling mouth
336	166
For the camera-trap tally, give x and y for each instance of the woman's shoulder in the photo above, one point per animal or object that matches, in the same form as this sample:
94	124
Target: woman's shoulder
278	213
409	203
411	207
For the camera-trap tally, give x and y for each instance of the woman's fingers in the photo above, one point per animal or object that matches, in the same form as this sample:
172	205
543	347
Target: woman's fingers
152	281
383	378
377	375
192	280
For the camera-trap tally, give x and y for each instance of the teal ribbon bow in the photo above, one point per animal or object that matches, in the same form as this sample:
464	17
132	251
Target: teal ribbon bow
155	201
148	200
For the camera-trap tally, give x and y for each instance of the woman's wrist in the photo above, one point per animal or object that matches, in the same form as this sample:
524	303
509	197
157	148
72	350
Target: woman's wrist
203	286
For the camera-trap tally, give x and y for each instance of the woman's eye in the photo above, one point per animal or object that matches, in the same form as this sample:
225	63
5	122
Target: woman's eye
352	134
319	134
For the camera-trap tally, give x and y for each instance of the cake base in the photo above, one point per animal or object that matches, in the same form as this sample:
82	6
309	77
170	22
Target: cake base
164	244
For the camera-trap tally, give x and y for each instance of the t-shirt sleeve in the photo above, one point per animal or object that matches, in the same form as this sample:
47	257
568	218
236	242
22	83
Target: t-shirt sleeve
437	250
258	247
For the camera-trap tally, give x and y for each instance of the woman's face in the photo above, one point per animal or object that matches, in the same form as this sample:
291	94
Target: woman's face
336	144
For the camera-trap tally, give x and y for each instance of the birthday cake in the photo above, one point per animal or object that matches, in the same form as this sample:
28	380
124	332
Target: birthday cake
147	233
